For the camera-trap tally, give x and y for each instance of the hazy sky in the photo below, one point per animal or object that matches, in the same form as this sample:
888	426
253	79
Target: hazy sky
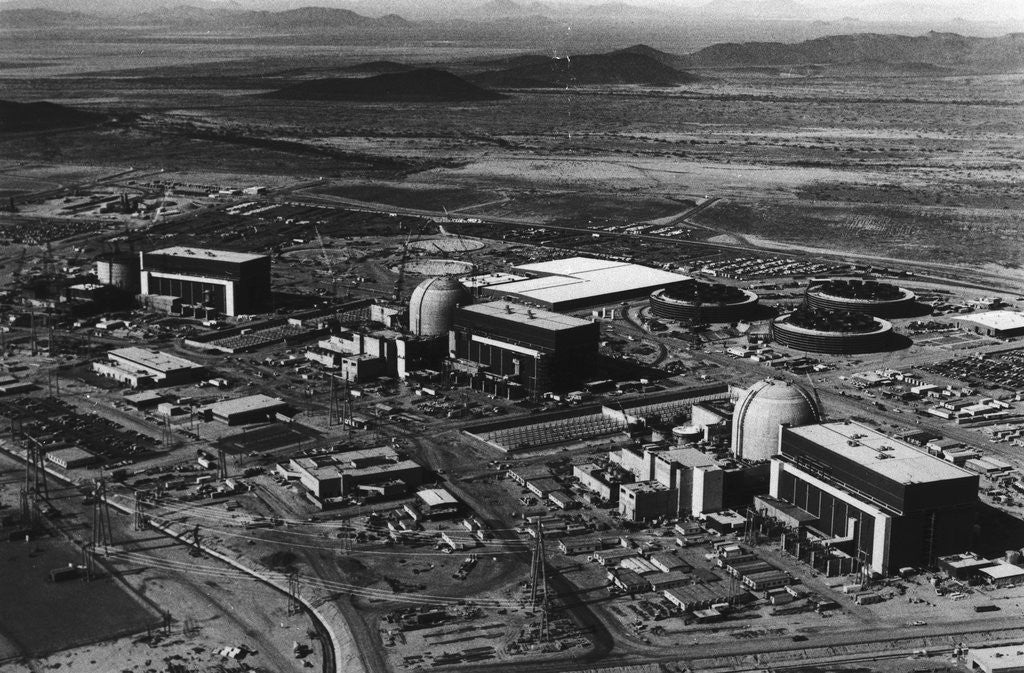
864	10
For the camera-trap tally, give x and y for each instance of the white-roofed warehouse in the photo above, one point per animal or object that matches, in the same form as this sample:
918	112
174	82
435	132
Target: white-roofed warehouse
578	282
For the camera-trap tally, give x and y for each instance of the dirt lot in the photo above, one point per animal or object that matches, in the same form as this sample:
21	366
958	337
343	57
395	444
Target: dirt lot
56	616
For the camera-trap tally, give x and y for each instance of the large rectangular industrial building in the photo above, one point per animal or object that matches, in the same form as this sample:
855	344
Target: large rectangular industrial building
999	324
379	472
579	282
142	367
208	281
878	499
535	349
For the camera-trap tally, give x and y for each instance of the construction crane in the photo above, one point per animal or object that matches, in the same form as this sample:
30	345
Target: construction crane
328	264
414	235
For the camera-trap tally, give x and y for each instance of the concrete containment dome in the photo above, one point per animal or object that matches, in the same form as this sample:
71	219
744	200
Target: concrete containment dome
433	304
762	409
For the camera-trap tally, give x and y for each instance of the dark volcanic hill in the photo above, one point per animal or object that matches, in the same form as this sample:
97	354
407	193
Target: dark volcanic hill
674	61
937	50
415	86
41	116
615	68
377	68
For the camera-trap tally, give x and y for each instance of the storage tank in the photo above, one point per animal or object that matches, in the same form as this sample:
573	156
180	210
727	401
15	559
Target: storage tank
433	303
1013	557
118	270
686	434
761	411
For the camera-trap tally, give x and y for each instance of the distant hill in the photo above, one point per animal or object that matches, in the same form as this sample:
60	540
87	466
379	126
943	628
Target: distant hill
414	86
502	8
674	61
207	15
41	116
622	67
377	68
320	18
930	51
44	18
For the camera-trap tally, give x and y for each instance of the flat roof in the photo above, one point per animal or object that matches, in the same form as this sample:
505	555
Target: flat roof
903	463
1002	571
644	486
999	658
157	360
965	561
489	279
207	254
669	559
700	593
521	314
70	453
997	319
376	460
242	404
583	278
688	457
145	396
436	497
784	507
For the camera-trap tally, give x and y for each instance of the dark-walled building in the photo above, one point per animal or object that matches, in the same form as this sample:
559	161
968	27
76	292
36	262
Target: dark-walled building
534	349
878	499
229	283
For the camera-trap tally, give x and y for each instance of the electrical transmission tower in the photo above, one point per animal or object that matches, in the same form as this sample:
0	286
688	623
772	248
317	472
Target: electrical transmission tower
53	382
168	434
341	404
36	487
138	518
26	508
196	549
334	413
539	582
102	533
87	562
294	604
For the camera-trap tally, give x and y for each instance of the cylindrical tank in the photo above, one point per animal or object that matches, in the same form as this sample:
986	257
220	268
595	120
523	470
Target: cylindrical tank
1013	557
686	434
